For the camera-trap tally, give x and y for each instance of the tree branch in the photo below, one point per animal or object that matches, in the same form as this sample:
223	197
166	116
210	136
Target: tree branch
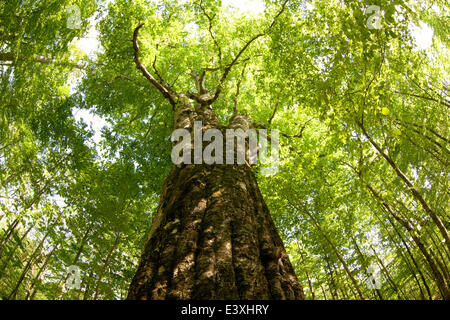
244	48
210	20
230	66
156	70
9	56
273	114
423	97
238	88
166	92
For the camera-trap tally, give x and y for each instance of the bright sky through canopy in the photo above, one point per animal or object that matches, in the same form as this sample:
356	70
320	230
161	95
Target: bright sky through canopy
423	35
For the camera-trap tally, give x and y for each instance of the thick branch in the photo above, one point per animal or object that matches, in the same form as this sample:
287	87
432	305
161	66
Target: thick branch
165	91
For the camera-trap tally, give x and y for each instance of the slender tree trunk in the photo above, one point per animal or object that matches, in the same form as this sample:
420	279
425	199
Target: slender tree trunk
333	247
14	251
106	264
440	280
213	238
390	212
405	259
364	264
341	283
88	285
333	287
33	287
415	193
63	281
388	275
323	292
8	234
440	258
306	271
27	267
412	258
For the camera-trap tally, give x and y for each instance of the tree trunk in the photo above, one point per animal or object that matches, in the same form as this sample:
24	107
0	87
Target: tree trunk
415	193
14	251
62	282
32	258
106	265
33	289
213	238
333	247
397	290
8	233
404	258
440	280
412	258
306	271
365	264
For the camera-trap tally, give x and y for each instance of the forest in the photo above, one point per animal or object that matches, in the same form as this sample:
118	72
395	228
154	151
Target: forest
354	95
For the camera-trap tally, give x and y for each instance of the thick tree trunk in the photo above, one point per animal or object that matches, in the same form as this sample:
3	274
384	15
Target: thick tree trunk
213	238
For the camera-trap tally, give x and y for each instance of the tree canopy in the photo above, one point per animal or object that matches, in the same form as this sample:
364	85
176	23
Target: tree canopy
361	197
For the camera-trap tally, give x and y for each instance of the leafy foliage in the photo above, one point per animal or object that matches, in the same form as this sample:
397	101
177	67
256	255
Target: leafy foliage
362	114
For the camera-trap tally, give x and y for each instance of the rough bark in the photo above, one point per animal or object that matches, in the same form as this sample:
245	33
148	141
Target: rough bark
214	238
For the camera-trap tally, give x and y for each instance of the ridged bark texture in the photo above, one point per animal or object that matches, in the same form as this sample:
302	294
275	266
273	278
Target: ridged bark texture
213	238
